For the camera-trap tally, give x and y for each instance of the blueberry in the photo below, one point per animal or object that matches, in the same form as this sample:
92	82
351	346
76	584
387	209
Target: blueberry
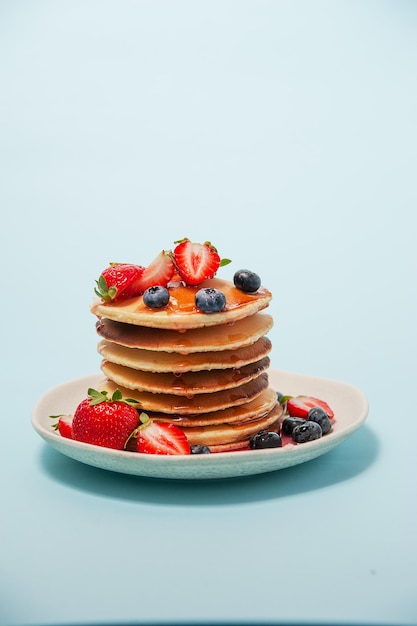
265	439
198	449
156	297
248	281
290	423
319	415
306	432
210	300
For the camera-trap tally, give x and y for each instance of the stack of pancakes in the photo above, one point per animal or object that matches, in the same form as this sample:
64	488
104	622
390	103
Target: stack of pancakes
205	372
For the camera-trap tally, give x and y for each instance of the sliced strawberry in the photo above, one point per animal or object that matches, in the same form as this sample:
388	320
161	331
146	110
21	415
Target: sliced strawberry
119	281
299	406
161	438
158	273
63	425
196	262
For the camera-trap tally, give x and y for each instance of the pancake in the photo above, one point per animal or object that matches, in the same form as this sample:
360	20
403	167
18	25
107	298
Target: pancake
150	361
181	312
226	436
231	433
242	333
187	383
181	405
255	409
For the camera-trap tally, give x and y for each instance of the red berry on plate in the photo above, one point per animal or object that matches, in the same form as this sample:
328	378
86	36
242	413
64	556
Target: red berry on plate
119	280
104	421
63	425
299	406
160	438
196	262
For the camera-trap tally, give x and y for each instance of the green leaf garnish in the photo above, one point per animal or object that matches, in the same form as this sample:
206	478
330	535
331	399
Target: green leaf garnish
102	396
103	291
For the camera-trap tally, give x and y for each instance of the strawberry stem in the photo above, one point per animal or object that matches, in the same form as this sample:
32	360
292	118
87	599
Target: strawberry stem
103	291
102	396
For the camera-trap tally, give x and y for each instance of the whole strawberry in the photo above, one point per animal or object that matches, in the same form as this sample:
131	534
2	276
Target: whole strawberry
196	262
104	421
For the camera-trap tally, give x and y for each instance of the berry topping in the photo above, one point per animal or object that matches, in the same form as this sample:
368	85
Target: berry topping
247	281
210	300
299	406
196	262
265	439
199	449
156	297
308	431
104	421
159	272
319	415
119	280
160	437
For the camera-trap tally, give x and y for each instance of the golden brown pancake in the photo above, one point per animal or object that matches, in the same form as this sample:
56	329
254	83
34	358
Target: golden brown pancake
181	312
200	403
209	339
252	410
187	383
232	433
226	437
150	361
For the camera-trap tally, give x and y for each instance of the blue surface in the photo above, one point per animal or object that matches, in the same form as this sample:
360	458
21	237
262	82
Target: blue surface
284	132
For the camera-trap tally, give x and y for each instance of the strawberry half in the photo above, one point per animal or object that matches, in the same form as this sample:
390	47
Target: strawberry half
104	421
119	280
299	406
196	262
158	273
160	438
63	425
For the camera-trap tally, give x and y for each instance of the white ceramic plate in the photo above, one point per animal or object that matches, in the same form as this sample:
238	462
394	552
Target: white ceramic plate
349	404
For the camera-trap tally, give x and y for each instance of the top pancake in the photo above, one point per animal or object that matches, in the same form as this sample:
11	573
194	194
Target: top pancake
181	312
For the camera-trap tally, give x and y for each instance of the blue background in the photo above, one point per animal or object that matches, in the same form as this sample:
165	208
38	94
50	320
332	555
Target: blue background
285	133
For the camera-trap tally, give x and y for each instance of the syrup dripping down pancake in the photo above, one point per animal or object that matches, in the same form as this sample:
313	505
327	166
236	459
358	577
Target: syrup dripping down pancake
150	361
199	403
252	410
232	336
187	383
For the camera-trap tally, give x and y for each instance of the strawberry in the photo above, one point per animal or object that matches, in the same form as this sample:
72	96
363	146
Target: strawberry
299	406
158	273
63	425
119	280
196	262
160	438
104	421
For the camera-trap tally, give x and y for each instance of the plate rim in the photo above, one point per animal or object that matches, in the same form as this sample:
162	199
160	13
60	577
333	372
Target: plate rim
217	465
